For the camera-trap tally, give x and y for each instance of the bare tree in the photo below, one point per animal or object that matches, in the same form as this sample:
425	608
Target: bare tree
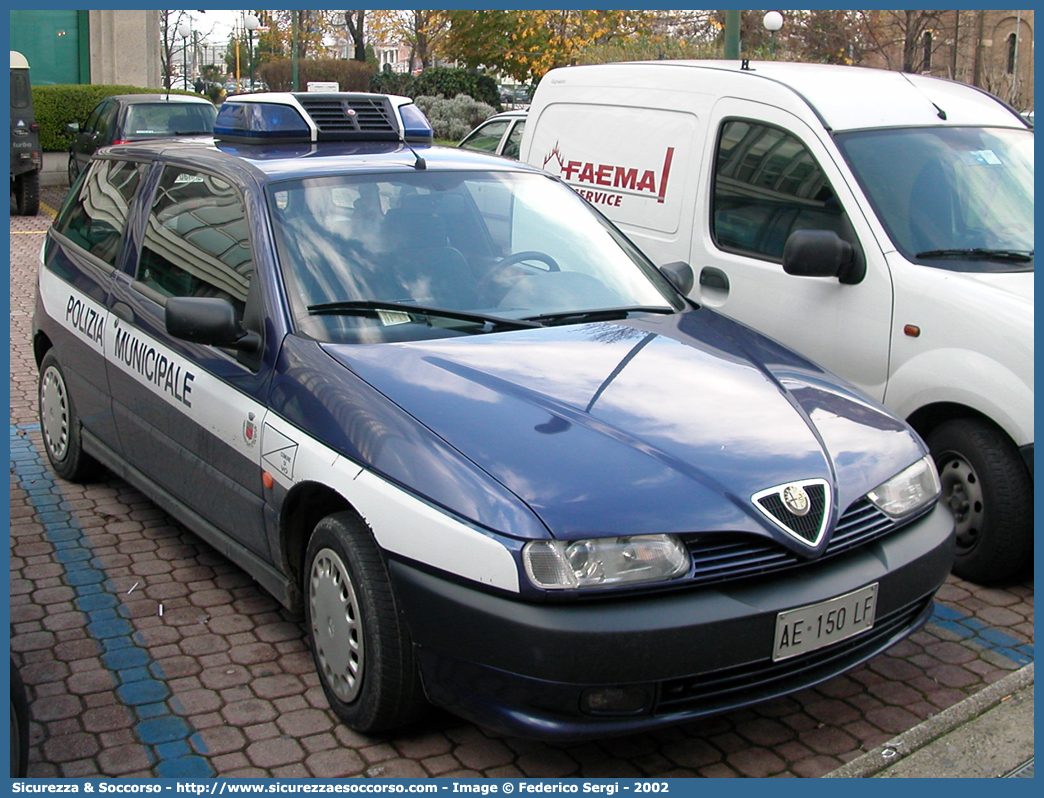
355	22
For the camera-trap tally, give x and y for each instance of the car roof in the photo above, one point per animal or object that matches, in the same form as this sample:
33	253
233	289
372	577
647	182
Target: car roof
272	162
133	99
850	97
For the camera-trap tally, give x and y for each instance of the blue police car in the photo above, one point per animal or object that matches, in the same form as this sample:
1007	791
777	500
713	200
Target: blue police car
438	403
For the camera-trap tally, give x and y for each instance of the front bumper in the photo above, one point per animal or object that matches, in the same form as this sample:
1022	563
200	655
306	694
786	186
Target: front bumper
522	668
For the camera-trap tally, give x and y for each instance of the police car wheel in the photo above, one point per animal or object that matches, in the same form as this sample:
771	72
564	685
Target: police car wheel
360	644
61	426
990	493
19	725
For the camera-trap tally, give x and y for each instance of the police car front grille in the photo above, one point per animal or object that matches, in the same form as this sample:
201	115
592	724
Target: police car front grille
724	556
763	679
349	115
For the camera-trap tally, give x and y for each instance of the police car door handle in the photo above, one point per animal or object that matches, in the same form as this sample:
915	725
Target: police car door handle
123	311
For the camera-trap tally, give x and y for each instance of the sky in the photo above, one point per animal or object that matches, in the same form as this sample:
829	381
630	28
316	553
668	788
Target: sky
217	25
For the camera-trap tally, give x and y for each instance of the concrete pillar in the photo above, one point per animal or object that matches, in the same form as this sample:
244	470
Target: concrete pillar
125	48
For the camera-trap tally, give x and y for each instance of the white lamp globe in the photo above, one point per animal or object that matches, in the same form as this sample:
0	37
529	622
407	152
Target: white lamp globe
772	21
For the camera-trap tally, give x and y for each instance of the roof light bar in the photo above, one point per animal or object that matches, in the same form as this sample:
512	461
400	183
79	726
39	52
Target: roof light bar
286	117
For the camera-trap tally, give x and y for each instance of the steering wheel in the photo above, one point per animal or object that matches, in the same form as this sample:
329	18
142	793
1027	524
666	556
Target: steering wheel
514	260
522	257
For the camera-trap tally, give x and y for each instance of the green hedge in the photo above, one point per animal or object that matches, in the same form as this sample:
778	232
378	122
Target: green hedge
56	106
439	82
349	75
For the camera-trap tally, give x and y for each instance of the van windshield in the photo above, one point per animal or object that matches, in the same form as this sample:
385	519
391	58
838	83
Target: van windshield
955	198
367	258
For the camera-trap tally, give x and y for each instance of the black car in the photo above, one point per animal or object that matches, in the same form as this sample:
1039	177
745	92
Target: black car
137	117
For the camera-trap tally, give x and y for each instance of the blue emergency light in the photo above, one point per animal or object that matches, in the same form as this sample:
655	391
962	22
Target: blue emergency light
304	117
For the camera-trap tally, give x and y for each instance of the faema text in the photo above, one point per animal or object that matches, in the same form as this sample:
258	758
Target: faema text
619	180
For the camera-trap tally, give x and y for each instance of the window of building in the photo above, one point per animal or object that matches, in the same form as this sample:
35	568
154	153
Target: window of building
1012	50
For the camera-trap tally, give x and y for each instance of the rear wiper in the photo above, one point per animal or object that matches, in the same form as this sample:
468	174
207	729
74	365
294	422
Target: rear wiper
600	314
362	306
1021	256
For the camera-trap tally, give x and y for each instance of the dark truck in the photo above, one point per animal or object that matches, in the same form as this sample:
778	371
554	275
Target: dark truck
26	156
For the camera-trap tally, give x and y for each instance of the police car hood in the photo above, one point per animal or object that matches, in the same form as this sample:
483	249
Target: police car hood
664	424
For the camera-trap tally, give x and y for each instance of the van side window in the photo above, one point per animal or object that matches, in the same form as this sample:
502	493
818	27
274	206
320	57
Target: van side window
197	240
766	186
96	218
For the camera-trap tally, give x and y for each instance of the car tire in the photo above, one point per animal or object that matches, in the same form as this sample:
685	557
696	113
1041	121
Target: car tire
74	171
360	643
19	725
989	489
60	426
27	194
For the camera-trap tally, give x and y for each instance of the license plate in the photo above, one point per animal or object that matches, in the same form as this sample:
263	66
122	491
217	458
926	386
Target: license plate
807	628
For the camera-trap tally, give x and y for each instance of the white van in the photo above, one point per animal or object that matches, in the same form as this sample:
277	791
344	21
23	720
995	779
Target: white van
878	222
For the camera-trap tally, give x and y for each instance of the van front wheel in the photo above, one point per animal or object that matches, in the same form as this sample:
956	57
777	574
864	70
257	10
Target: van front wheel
989	491
360	643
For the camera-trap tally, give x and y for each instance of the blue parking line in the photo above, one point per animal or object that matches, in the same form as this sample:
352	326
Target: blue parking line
981	635
171	744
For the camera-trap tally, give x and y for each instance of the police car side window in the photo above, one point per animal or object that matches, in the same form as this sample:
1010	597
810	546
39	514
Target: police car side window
95	220
767	185
196	240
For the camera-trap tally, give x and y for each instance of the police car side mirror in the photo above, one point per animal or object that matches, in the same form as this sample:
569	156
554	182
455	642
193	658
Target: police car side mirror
821	253
208	320
679	274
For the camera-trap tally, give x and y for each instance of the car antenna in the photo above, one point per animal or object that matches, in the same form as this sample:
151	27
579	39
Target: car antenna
939	111
419	163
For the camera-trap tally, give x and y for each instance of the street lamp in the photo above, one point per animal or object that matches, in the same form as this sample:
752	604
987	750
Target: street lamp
251	23
184	30
772	21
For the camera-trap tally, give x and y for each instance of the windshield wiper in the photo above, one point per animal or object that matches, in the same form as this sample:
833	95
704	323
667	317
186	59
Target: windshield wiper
374	305
1018	255
599	314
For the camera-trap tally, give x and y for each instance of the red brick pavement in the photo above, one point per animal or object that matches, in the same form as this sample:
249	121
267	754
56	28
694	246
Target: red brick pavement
239	671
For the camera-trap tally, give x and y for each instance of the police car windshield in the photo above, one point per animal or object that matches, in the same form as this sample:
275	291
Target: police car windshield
503	245
952	198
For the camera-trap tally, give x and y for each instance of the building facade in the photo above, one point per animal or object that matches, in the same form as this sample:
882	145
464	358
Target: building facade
991	49
69	46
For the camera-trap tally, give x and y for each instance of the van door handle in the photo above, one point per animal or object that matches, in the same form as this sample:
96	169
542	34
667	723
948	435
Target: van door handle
714	279
714	286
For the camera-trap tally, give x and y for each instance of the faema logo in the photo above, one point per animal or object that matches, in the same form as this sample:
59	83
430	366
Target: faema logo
619	180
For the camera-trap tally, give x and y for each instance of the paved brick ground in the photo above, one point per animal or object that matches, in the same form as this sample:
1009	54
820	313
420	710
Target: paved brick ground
148	653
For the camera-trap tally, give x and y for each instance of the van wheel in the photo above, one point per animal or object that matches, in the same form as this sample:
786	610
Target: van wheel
27	194
989	490
61	426
360	643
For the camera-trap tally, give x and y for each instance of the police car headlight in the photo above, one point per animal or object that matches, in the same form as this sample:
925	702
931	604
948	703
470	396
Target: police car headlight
603	562
908	491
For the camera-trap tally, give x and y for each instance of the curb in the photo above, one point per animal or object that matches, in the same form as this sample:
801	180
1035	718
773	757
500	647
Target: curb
890	752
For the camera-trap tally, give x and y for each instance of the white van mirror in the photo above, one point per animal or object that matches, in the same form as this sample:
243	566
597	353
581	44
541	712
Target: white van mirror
821	253
679	274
